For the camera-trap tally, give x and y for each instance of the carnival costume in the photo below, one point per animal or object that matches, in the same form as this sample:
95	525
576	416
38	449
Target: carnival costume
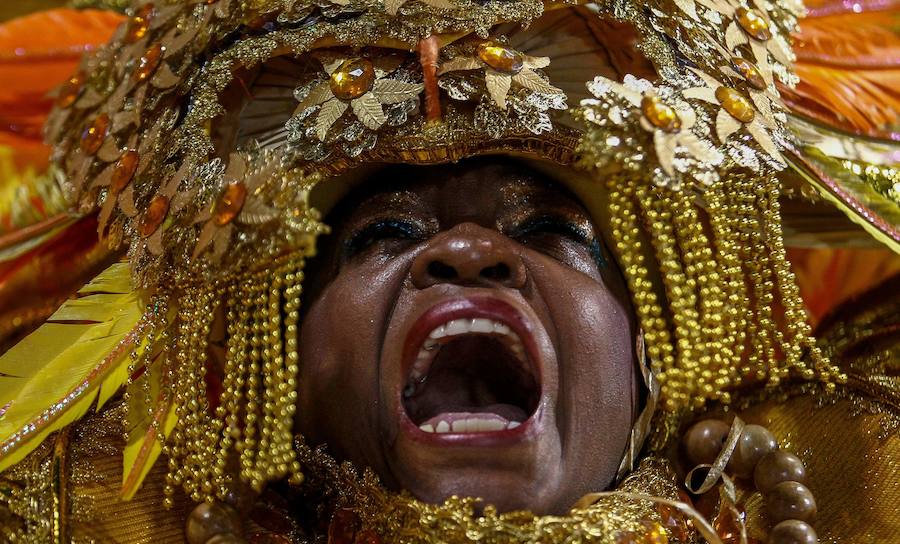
691	131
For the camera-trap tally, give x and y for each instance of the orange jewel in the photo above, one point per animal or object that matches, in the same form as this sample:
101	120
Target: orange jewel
750	72
352	79
93	136
501	58
124	171
139	24
660	114
735	104
70	91
148	64
753	23
230	203
154	216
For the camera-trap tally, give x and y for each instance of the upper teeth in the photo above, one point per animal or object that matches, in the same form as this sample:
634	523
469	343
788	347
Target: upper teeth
457	327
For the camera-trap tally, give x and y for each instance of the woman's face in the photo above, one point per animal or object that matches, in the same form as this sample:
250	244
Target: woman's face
467	335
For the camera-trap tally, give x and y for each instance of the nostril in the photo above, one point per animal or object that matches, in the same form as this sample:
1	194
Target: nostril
441	271
498	272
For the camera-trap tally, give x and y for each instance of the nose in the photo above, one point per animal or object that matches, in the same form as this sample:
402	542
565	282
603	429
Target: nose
469	254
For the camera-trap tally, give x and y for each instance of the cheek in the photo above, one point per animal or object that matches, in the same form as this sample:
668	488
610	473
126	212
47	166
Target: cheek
594	332
340	341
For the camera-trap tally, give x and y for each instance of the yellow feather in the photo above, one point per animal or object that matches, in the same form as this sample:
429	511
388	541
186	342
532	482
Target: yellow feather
145	419
52	377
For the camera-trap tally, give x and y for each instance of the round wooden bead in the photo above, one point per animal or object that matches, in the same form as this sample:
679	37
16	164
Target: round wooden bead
790	500
793	531
776	467
755	442
704	440
208	520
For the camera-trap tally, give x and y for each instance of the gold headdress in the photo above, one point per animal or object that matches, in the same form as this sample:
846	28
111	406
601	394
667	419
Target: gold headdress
676	140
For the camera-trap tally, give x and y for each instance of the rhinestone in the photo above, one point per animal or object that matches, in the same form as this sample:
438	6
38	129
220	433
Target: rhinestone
93	136
70	91
154	216
501	58
230	203
753	23
352	79
124	171
139	24
660	114
148	64
734	103
750	72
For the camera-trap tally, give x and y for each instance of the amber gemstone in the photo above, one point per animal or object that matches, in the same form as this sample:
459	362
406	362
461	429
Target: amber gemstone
93	136
352	79
734	103
70	91
154	216
501	58
673	522
660	114
139	24
148	63
728	525
750	72
230	203
124	170
753	23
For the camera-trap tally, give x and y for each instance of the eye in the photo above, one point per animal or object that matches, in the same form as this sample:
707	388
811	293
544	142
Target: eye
545	231
381	231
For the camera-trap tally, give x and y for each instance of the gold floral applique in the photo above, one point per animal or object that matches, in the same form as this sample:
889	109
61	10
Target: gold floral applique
502	67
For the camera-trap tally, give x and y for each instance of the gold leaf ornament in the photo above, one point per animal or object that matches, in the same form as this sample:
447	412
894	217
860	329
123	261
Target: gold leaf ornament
503	67
368	110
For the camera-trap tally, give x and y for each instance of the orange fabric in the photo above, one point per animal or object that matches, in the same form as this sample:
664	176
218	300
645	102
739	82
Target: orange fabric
828	277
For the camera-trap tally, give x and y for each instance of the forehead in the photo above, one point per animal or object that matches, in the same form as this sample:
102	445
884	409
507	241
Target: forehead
491	185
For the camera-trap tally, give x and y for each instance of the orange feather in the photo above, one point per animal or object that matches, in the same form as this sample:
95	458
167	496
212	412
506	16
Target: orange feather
849	68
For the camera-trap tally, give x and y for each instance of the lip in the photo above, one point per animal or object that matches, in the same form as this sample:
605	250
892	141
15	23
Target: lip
471	308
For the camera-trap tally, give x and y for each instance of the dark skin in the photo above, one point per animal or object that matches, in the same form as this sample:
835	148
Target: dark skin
490	234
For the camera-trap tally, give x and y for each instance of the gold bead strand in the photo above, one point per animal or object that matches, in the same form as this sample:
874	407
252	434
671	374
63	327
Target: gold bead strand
795	313
682	299
718	353
288	398
232	381
273	360
626	235
736	301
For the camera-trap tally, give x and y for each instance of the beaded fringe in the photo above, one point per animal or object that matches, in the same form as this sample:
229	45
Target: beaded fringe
247	428
732	315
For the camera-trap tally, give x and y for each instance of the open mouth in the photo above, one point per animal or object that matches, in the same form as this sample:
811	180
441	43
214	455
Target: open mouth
471	373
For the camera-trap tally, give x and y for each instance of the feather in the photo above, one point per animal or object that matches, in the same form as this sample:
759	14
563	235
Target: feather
53	376
849	69
144	444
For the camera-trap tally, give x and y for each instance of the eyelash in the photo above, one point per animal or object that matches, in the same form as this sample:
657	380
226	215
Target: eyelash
381	230
561	227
